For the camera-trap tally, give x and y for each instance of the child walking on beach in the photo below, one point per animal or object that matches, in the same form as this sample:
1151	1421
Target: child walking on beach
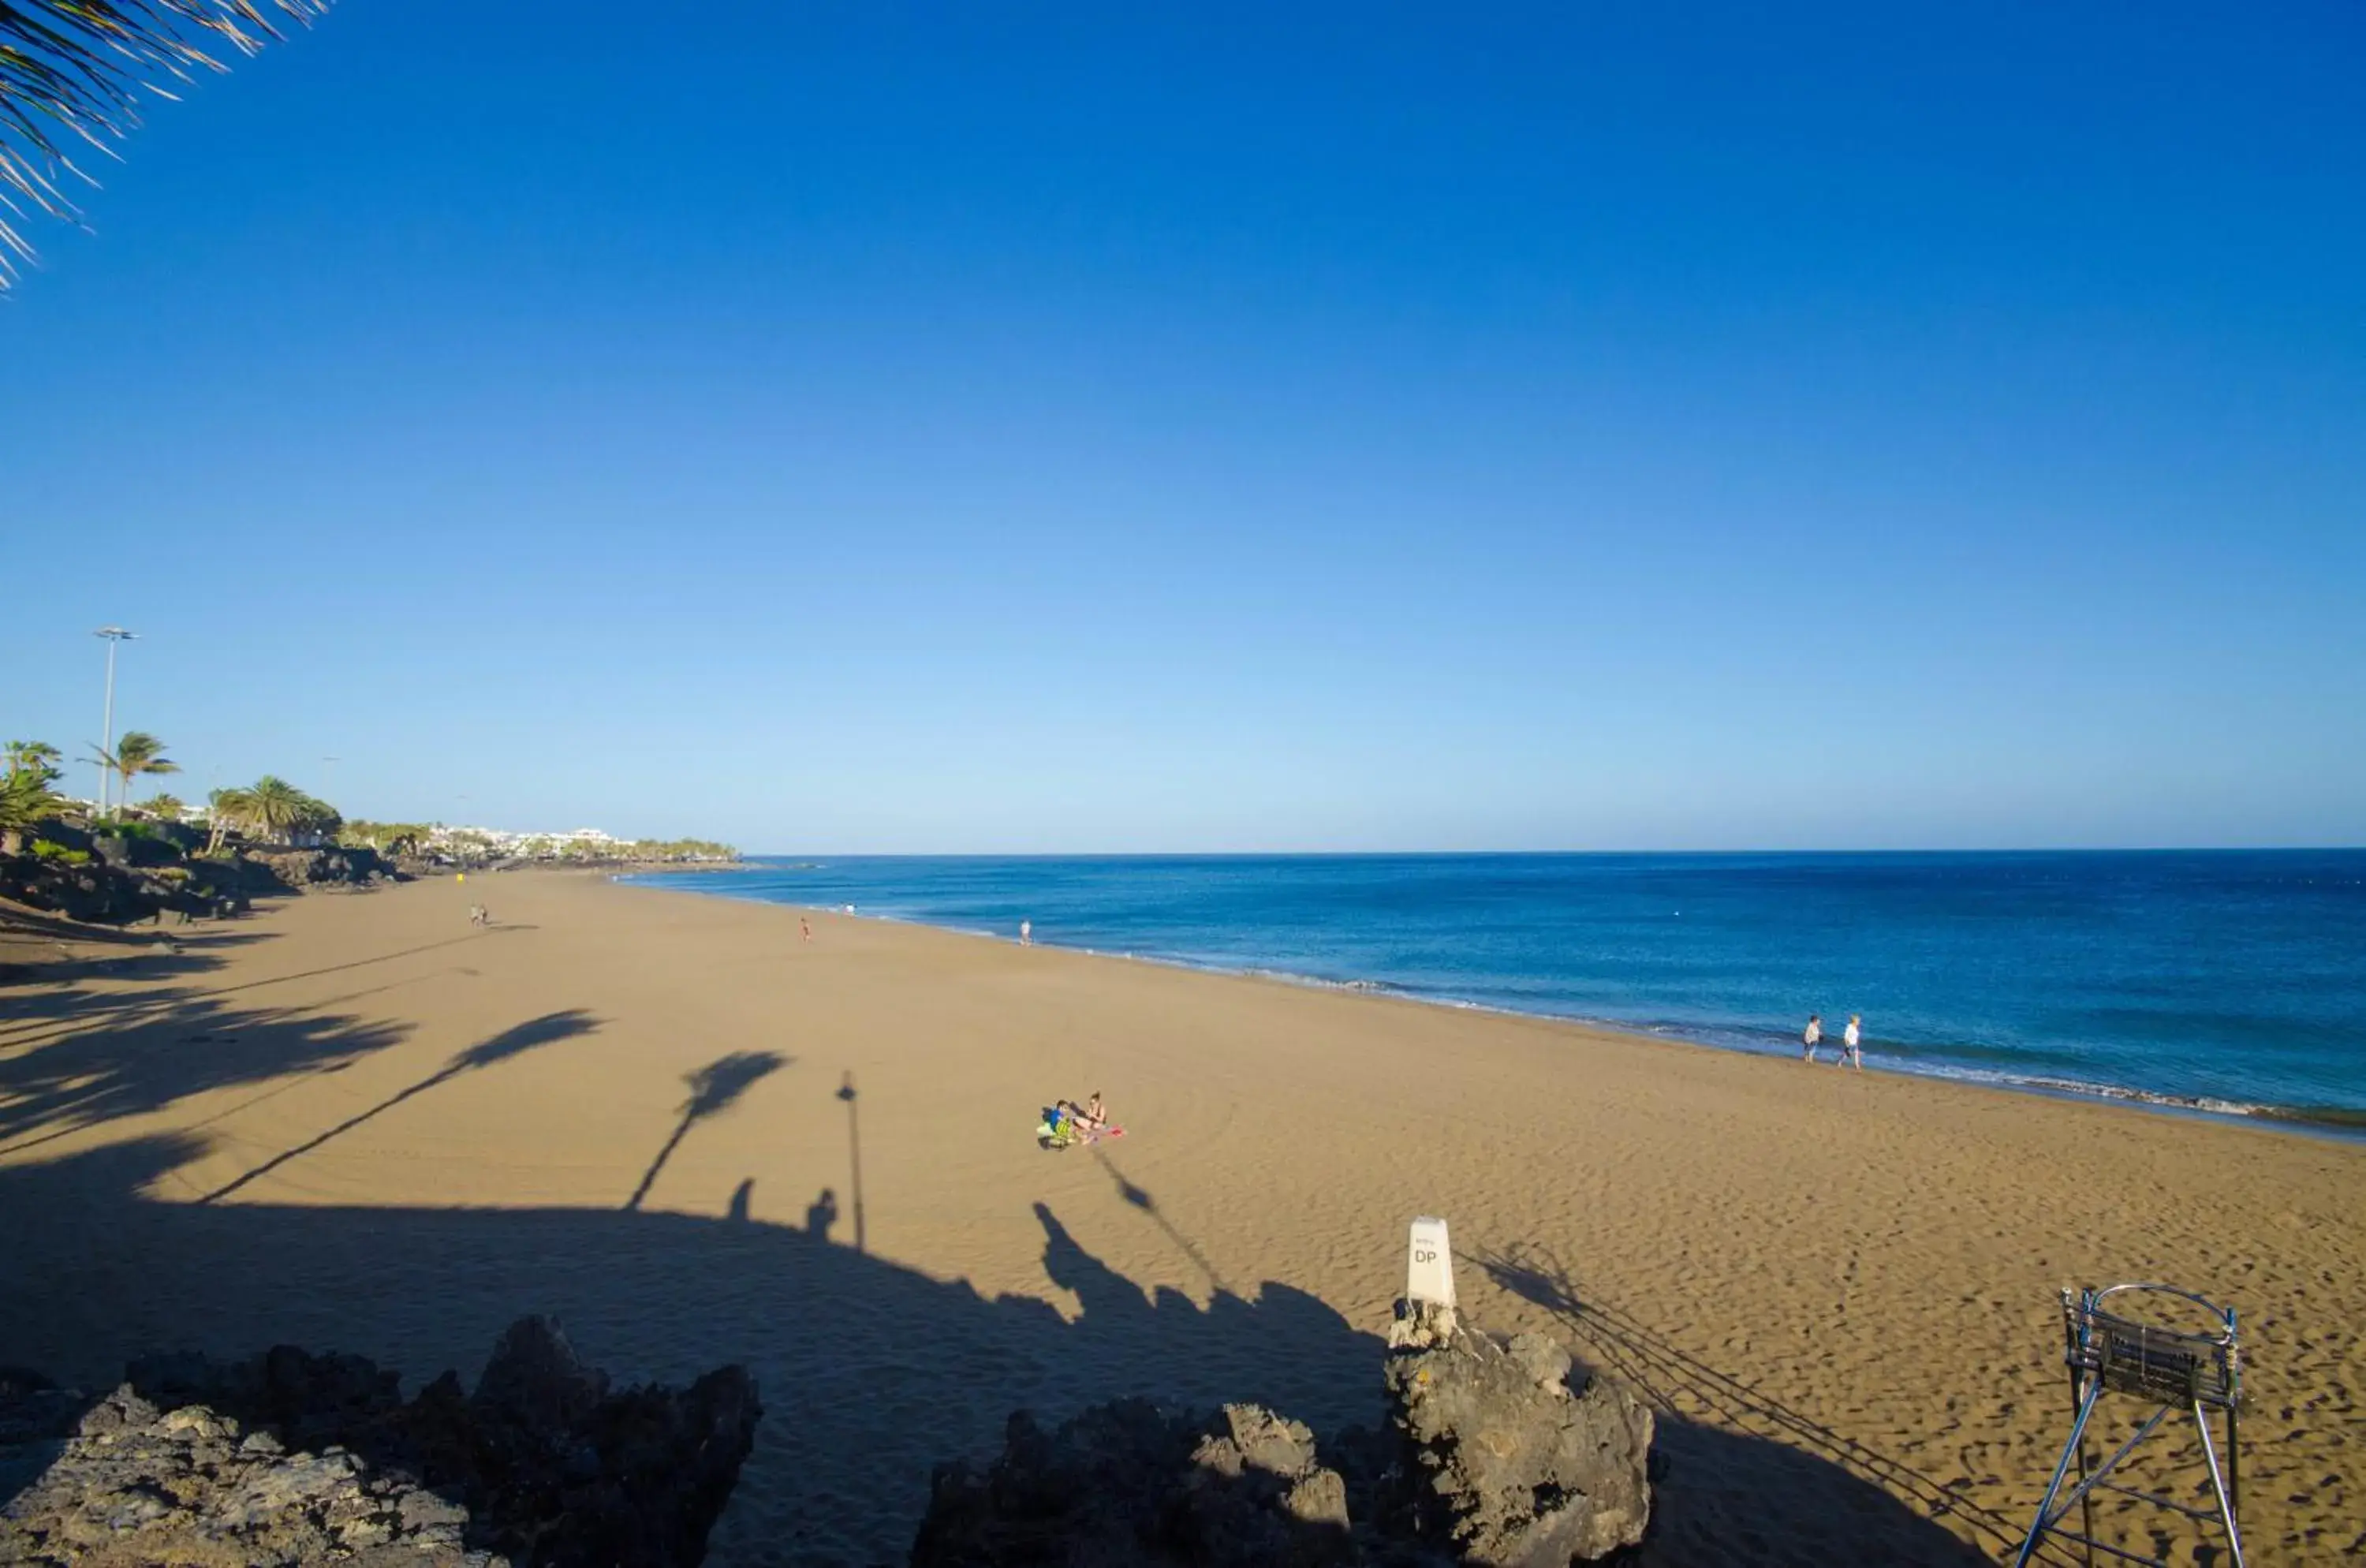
1814	1032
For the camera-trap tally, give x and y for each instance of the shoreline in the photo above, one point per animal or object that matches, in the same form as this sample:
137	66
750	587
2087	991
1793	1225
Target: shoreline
2336	1124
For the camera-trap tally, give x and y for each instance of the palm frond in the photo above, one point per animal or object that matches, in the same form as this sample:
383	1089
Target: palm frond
26	799
72	76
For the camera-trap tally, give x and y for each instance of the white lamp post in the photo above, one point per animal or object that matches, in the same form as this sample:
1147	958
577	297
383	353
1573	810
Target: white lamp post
111	636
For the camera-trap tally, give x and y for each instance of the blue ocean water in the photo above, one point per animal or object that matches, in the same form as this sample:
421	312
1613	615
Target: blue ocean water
2231	981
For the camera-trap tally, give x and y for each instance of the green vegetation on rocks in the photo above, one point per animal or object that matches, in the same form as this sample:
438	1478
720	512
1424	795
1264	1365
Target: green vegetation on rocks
25	798
140	861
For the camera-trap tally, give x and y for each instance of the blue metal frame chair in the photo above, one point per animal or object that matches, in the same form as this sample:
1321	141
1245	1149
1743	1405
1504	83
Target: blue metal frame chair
2178	1371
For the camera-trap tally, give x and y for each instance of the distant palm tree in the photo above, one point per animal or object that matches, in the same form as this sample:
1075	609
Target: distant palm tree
72	73
314	815
226	810
34	757
273	805
136	753
167	807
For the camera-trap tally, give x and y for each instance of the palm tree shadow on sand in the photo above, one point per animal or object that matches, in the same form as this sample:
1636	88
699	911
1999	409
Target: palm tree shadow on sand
135	1063
713	1088
515	1041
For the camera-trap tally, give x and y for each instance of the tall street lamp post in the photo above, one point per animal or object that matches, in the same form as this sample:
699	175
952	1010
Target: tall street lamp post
111	636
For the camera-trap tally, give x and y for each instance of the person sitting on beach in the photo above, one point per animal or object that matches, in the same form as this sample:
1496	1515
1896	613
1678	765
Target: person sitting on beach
1095	1114
1060	1126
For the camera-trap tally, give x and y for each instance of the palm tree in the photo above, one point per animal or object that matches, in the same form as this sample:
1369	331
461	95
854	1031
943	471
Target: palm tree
316	816
226	810
26	799
35	757
137	752
73	72
273	805
167	807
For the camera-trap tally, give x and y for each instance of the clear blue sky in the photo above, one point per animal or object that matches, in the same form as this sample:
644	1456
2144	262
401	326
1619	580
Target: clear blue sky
852	427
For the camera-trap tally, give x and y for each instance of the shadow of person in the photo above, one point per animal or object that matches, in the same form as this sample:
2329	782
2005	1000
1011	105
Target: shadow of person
1309	1358
741	1197
820	1214
1105	1295
713	1088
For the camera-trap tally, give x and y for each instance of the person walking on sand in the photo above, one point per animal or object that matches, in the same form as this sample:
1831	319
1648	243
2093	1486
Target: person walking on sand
1811	1036
1849	1047
1025	933
804	928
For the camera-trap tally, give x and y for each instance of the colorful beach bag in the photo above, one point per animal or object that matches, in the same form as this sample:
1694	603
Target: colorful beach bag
1057	1130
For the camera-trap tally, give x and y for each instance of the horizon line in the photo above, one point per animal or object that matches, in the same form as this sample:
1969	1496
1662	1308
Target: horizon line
1433	853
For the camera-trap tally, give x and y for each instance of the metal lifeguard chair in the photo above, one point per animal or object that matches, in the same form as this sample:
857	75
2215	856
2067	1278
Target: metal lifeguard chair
2178	1371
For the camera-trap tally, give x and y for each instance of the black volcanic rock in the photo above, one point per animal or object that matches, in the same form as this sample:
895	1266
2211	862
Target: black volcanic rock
1131	1484
1502	1462
294	1458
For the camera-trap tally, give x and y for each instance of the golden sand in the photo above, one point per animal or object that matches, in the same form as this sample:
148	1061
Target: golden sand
357	1122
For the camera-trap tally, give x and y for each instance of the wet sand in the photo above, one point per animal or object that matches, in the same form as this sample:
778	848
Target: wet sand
355	1121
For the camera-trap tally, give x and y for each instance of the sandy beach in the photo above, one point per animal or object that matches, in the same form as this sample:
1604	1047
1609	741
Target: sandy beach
354	1121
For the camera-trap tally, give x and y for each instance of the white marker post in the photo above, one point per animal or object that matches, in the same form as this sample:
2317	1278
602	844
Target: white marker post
1429	1267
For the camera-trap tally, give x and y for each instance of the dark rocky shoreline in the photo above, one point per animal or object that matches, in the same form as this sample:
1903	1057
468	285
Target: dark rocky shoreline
1492	1454
291	1457
158	873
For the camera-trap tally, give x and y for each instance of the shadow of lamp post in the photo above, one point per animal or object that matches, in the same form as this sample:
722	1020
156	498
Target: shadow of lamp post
854	1151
